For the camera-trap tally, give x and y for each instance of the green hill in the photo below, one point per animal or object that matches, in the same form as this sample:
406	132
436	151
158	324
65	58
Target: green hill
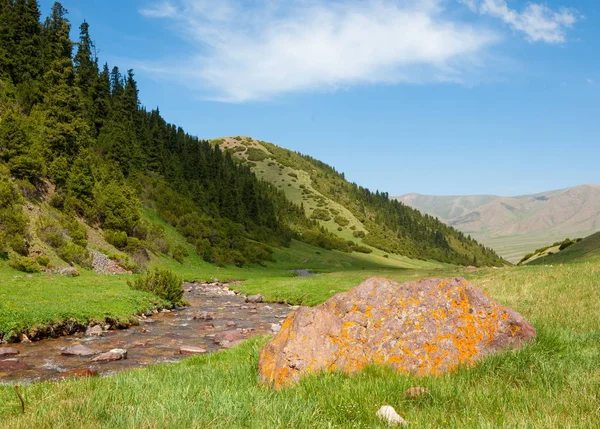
354	213
81	159
586	250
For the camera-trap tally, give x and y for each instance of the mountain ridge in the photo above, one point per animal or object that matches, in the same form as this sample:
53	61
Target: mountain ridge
517	225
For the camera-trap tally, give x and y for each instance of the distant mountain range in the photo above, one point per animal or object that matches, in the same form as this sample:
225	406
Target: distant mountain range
514	226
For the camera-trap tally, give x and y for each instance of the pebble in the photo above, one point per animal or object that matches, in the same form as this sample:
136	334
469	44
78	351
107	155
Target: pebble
78	350
114	354
230	324
275	328
94	331
254	298
189	350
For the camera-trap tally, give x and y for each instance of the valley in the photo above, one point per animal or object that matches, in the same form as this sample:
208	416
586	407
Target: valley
514	226
150	278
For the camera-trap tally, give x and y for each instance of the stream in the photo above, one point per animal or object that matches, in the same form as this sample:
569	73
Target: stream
216	319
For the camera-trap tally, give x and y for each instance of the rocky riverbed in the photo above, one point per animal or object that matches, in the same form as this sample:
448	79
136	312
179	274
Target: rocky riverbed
217	318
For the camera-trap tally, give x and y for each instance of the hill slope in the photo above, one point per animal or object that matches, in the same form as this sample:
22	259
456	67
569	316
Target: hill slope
352	212
514	226
586	250
78	147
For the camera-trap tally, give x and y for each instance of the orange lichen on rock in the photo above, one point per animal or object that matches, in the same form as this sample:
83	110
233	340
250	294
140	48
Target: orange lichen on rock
426	327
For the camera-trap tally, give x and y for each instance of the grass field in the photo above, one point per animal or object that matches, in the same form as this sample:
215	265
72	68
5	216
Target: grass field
36	300
553	383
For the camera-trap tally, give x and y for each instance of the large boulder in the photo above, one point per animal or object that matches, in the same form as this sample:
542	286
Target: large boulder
426	327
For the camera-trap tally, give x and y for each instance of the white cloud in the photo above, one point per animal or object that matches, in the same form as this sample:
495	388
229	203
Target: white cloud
160	10
276	47
537	21
590	81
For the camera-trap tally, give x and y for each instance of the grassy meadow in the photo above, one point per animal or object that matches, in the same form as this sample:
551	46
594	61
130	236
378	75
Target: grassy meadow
553	383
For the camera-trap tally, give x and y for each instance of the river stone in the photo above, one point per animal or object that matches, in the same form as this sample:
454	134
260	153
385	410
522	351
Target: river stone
189	350
12	365
228	338
426	327
79	350
254	298
8	351
114	354
94	331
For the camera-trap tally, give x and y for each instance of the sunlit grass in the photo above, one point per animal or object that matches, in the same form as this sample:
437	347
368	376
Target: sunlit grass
553	383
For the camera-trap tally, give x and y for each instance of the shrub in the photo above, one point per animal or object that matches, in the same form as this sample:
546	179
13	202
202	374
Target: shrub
334	211
359	234
293	175
23	263
340	228
118	206
255	154
179	253
320	214
116	238
13	222
163	283
341	220
74	254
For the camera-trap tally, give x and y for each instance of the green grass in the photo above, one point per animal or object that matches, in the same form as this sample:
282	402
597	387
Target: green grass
28	301
587	250
514	247
555	382
31	301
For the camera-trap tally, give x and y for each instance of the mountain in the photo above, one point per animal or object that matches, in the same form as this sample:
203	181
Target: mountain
517	225
370	219
586	250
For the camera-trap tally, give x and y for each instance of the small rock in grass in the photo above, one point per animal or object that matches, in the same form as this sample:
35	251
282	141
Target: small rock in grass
8	351
94	331
79	350
415	392
389	415
189	350
254	298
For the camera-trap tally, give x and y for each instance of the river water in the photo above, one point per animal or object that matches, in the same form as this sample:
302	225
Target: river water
157	339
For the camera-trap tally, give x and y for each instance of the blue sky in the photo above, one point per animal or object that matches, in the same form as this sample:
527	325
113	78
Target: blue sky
432	96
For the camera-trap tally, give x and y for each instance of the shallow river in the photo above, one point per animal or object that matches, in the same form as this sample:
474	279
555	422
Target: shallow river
157	339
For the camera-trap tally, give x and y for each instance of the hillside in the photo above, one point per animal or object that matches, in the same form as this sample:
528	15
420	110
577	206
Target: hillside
514	226
586	250
81	158
354	213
